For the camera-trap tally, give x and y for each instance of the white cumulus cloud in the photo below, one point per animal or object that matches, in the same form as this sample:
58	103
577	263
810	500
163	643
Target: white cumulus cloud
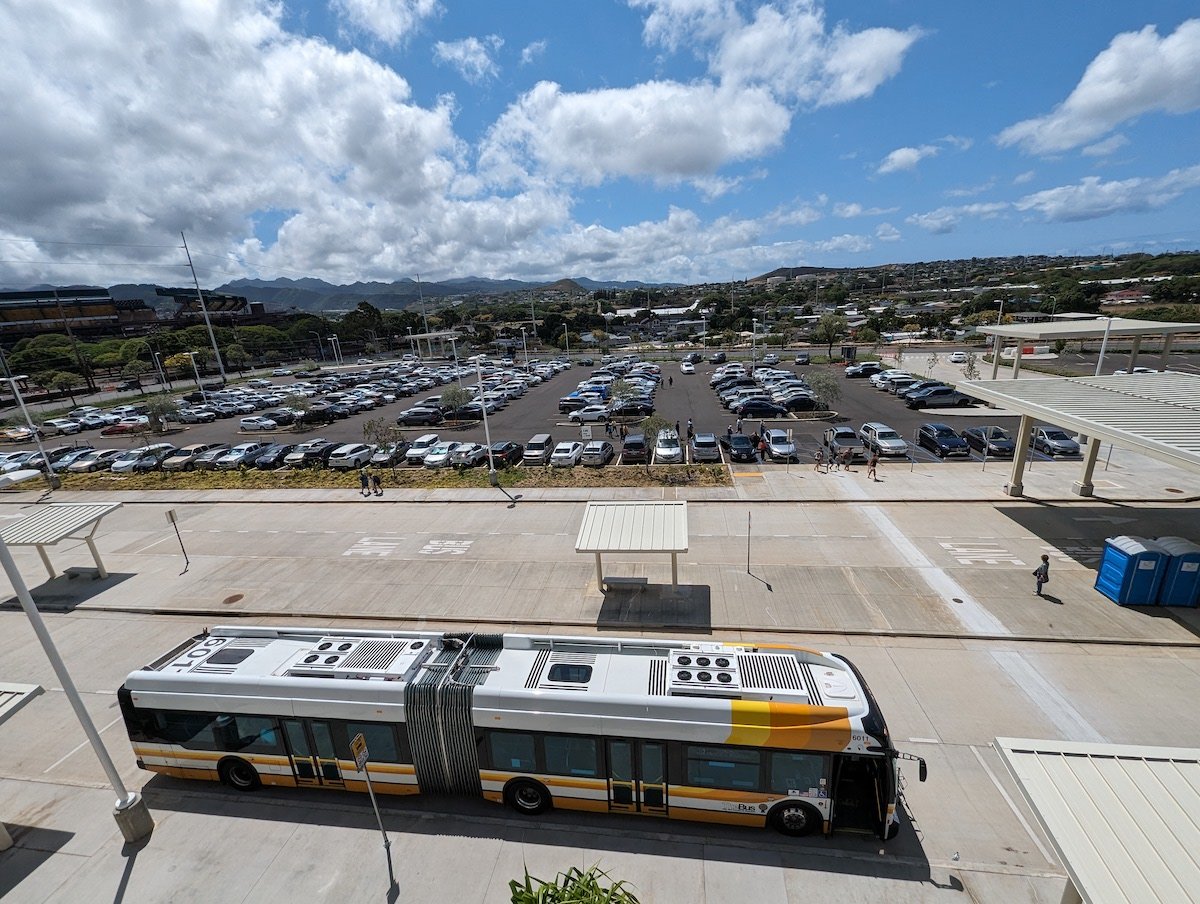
906	158
391	21
1139	72
472	57
886	232
1109	145
946	219
1091	197
660	130
846	210
532	51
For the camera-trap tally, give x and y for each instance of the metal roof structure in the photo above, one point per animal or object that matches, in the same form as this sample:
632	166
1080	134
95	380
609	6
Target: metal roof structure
641	527
14	696
1124	820
1154	414
1088	329
48	525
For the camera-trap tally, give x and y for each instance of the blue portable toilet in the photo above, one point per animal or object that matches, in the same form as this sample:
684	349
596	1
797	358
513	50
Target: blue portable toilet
1181	583
1132	570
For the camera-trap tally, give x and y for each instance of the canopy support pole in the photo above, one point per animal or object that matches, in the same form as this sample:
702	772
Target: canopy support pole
1015	487
1083	486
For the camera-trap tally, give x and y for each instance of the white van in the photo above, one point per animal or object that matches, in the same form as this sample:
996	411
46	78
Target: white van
538	449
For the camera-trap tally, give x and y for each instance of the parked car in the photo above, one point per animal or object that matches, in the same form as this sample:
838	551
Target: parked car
687	367
865	369
938	397
183	459
207	461
566	455
917	386
634	450
958	358
838	439
94	460
760	408
272	457
308	453
64	462
258	422
282	417
942	441
350	455
739	447
590	414
882	439
469	455
995	442
779	447
281	372
141	460
893	385
770	359
59	426
539	449
631	408
704	447
243	455
420	448
134	424
195	416
801	358
424	417
597	453
716	358
439	454
799	401
388	455
506	453
667	450
1053	441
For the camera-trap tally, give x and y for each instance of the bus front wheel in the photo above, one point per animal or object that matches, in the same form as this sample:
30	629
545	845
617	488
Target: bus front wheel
239	774
795	819
527	797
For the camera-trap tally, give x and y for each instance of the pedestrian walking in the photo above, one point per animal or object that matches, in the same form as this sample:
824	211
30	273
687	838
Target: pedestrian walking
376	484
364	483
847	457
728	433
670	381
608	429
872	464
1042	574
835	462
689	426
819	458
762	448
739	425
762	428
677	428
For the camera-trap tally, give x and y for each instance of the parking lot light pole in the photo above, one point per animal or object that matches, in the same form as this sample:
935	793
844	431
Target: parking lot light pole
131	814
51	480
567	340
487	433
753	341
320	344
454	351
196	371
525	346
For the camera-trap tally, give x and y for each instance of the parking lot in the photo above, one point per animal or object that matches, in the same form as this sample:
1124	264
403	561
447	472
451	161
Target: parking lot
680	397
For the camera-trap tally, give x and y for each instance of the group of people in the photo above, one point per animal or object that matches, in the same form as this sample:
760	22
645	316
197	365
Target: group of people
370	483
842	461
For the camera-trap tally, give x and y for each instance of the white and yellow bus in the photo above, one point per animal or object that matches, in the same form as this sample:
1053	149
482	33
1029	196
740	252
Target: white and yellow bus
746	734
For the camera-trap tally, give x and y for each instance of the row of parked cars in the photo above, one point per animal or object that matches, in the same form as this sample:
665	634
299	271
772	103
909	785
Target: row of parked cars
944	441
765	392
592	401
914	391
499	387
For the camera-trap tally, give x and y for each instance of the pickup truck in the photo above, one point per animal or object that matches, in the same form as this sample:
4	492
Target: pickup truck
838	439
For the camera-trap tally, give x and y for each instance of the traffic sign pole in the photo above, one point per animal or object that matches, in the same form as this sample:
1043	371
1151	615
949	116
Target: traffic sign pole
358	748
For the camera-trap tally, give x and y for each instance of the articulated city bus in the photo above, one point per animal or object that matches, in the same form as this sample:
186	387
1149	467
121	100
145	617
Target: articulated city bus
746	734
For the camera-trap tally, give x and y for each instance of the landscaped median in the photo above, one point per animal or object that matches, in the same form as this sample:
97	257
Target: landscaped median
708	475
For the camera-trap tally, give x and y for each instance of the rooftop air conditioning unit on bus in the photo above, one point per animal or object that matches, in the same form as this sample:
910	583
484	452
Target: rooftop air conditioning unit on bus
697	672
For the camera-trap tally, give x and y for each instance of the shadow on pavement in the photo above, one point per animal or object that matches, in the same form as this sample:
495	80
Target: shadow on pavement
843	853
70	589
634	605
32	848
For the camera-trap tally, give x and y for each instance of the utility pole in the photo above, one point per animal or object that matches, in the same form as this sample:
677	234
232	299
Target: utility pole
204	309
85	371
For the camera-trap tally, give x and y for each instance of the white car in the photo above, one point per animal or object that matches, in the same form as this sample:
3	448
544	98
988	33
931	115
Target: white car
1122	371
60	426
258	422
439	454
589	414
281	372
351	455
420	448
687	367
667	450
566	455
958	358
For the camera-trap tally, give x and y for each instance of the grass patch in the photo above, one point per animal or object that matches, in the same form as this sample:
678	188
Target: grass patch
407	478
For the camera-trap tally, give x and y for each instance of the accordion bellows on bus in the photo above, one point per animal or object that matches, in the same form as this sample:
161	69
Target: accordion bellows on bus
744	734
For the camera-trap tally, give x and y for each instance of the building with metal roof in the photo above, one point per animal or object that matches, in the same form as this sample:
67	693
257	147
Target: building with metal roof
1155	414
637	527
1123	820
1103	328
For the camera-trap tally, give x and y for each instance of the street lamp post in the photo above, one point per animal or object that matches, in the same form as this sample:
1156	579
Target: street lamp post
162	373
37	437
753	341
567	340
525	346
336	347
487	433
196	371
131	814
704	333
320	344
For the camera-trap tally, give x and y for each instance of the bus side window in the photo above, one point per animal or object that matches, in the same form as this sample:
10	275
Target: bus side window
512	750
247	734
799	773
568	755
188	729
723	767
381	741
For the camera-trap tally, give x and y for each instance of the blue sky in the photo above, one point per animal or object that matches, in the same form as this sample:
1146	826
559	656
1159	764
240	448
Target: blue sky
661	140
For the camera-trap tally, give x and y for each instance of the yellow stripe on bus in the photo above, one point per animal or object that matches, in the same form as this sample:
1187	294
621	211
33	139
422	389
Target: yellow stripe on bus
791	726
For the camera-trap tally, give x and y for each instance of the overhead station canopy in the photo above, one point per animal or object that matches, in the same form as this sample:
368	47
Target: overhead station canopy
14	696
49	525
1154	414
1088	329
1124	820
654	527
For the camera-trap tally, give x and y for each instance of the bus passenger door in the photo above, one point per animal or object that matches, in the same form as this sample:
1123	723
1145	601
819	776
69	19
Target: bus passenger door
310	746
637	777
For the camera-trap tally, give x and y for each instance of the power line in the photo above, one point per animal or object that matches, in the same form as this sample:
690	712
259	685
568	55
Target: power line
86	244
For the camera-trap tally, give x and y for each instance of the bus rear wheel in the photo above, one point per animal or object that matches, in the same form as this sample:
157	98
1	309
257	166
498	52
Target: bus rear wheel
527	797
795	819
239	774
